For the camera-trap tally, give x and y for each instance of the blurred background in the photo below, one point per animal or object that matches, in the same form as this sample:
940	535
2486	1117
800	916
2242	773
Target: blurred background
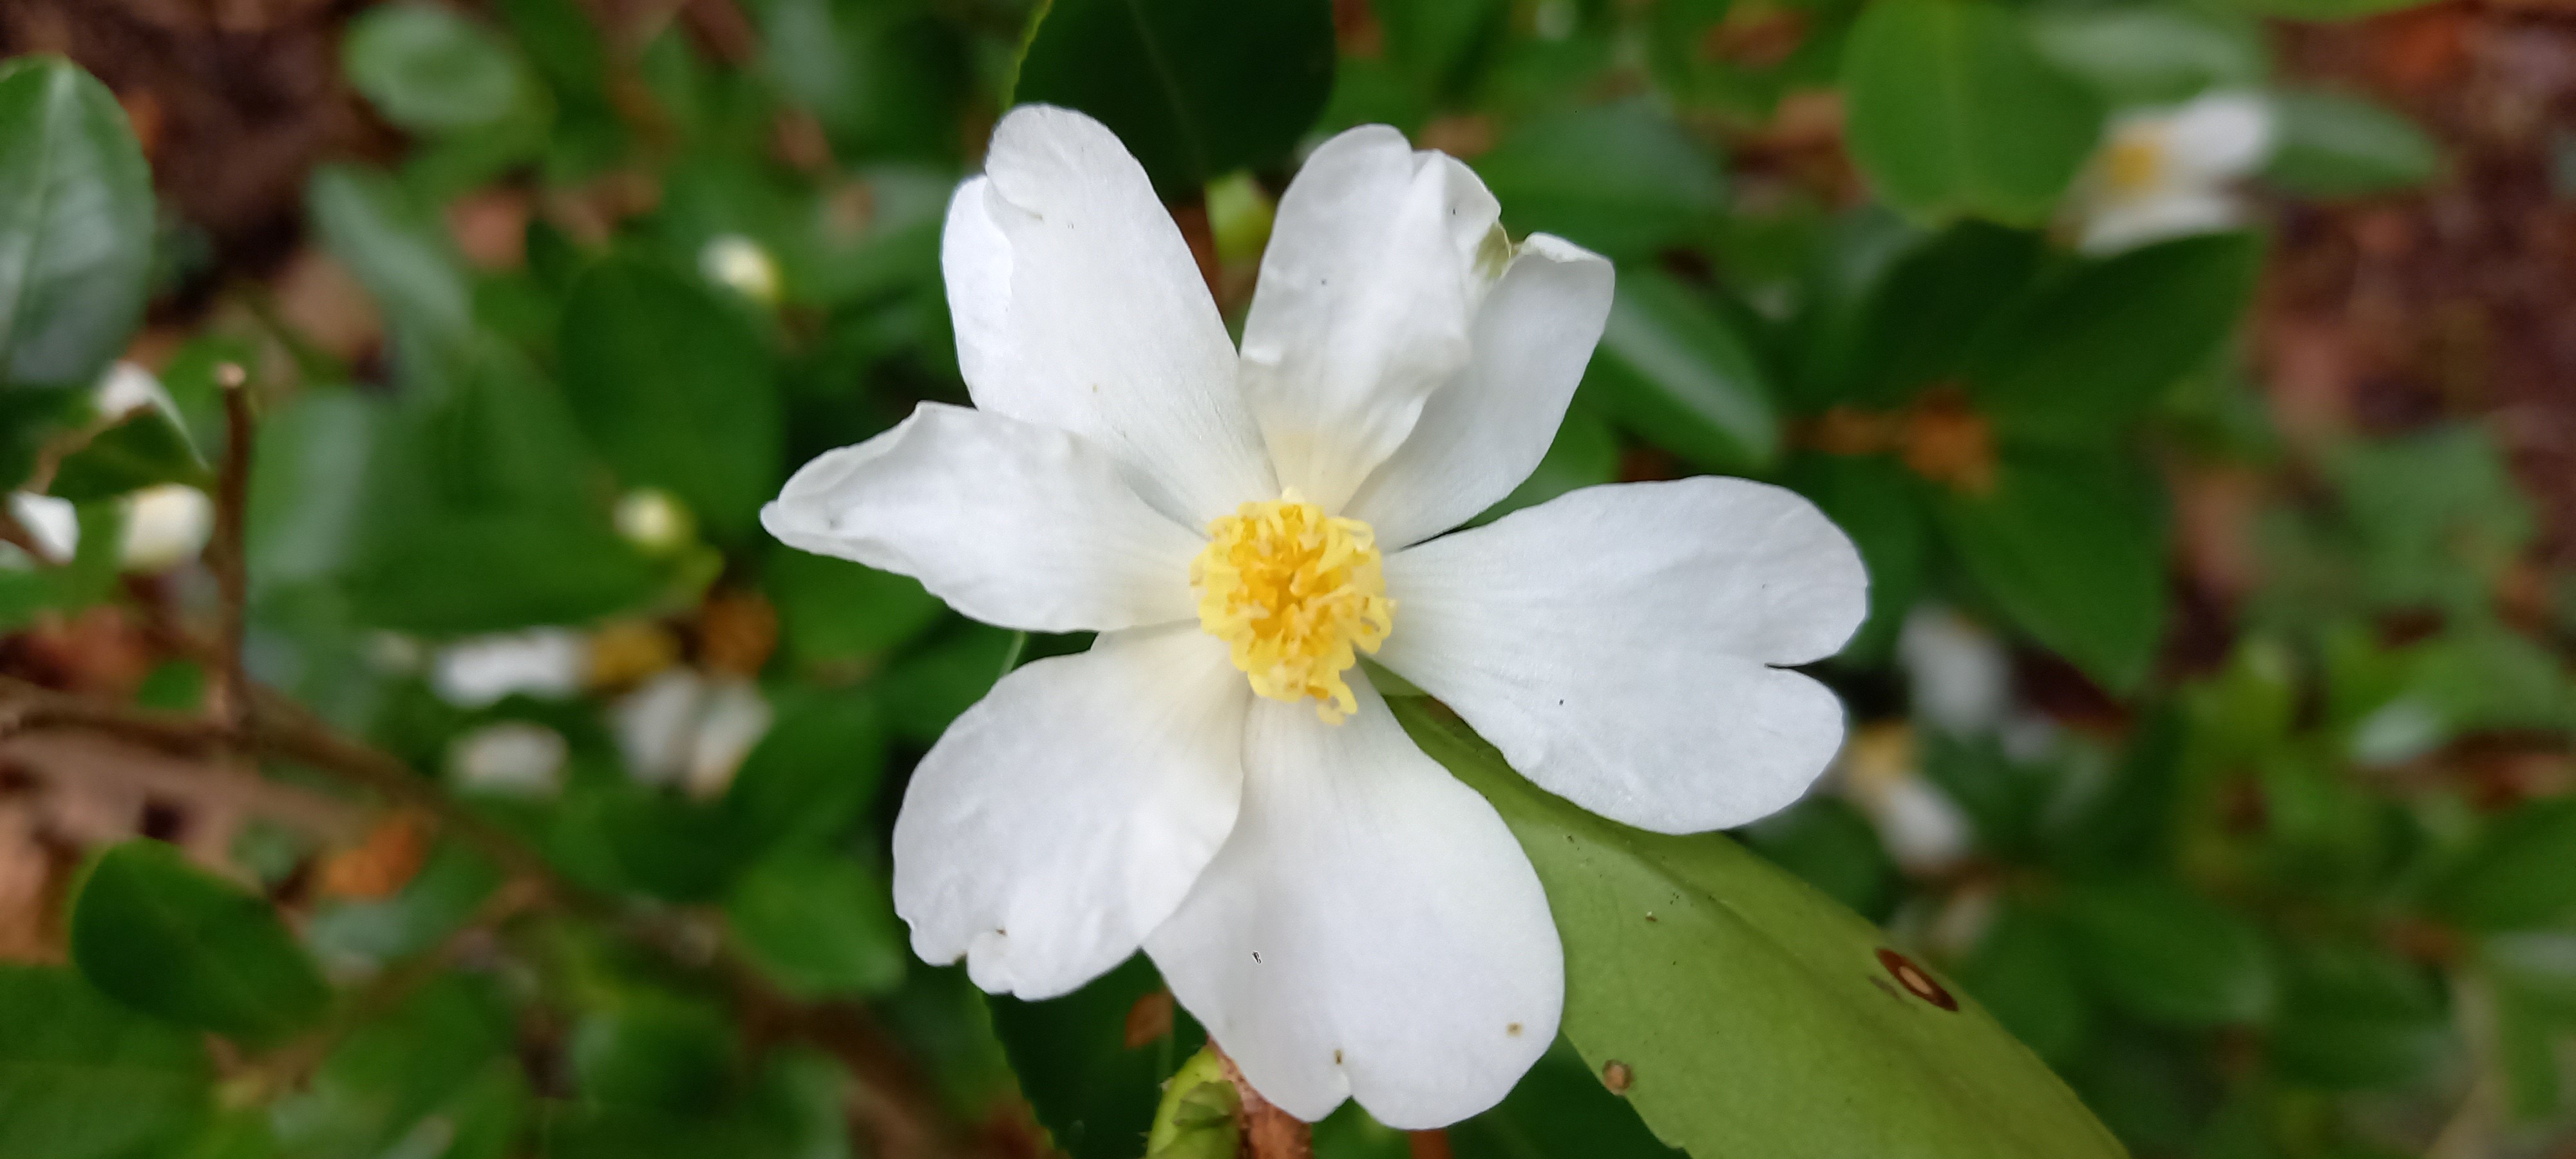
2199	380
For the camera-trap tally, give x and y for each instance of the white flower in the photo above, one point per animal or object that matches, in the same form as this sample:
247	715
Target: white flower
53	523
1959	674
739	264
690	730
653	519
165	526
1881	773
2165	173
1215	780
513	758
542	662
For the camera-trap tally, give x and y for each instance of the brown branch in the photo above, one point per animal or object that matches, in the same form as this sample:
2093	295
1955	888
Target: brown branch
232	499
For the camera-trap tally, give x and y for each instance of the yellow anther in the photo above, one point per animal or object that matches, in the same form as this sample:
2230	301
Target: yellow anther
1297	596
2134	164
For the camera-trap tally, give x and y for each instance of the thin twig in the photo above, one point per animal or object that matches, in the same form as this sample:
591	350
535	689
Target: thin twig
232	498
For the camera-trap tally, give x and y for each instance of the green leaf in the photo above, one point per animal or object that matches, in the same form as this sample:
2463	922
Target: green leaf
474	572
76	226
168	938
2025	975
2517	876
1830	845
305	506
1951	110
1878	503
2321	9
145	450
1674	371
1442	46
1584	453
675	390
820	923
655	1051
1622	178
2355	1016
426	68
2072	547
884	79
1918	322
438	1077
397	250
2166	954
928	690
1749	1015
2150	54
1558	1108
835	612
2087	354
812	773
84	1078
1092	1081
1194	90
2329	145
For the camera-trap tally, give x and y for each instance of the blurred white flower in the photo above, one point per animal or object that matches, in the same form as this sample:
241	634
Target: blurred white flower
690	730
1238	528
653	520
513	758
1959	674
165	526
741	265
127	387
480	671
53	523
1882	773
2165	173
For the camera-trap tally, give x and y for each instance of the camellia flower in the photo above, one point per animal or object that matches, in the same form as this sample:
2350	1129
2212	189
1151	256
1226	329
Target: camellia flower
1216	780
2165	173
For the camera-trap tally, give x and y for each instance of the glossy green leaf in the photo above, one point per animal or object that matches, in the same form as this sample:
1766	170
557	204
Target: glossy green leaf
437	1076
145	450
1951	110
75	225
2150	53
820	923
1442	46
654	1051
1674	371
2087	354
399	251
1087	1061
2329	145
2168	955
2073	548
427	68
303	515
1622	179
163	936
1919	321
1194	90
82	1077
834	612
675	390
2517	876
1750	1014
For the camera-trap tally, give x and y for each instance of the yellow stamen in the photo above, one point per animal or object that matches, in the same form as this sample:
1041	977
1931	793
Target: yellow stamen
2134	164
1296	596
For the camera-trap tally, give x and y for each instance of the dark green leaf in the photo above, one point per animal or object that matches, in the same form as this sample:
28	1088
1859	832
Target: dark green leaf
1674	371
1879	504
1559	1108
399	252
883	78
2025	975
675	390
2168	955
2073	549
929	689
84	1078
305	508
1195	90
1951	110
832	611
438	1073
1750	1014
2322	9
1442	46
2329	145
429	69
168	938
75	225
145	450
1830	845
814	771
1918	322
1622	179
654	1051
820	923
2517	877
2090	352
1087	1063
2355	1016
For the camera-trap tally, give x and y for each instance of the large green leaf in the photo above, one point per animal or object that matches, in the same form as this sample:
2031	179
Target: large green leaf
1748	1015
2330	145
883	78
674	389
1919	321
1622	178
84	1078
2150	53
144	450
438	1069
2085	355
2168	955
820	923
75	225
429	69
2521	875
1673	370
168	938
397	250
1952	110
1092	1062
1195	90
2072	546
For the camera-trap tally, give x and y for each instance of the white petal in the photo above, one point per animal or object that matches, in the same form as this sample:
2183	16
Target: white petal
1077	305
655	725
1011	522
52	522
2127	225
2219	136
1614	643
1375	267
1959	674
1371	930
513	758
728	726
1065	815
545	662
165	526
1485	431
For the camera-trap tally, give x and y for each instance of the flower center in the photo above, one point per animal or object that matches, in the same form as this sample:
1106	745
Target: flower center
1296	596
2135	164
